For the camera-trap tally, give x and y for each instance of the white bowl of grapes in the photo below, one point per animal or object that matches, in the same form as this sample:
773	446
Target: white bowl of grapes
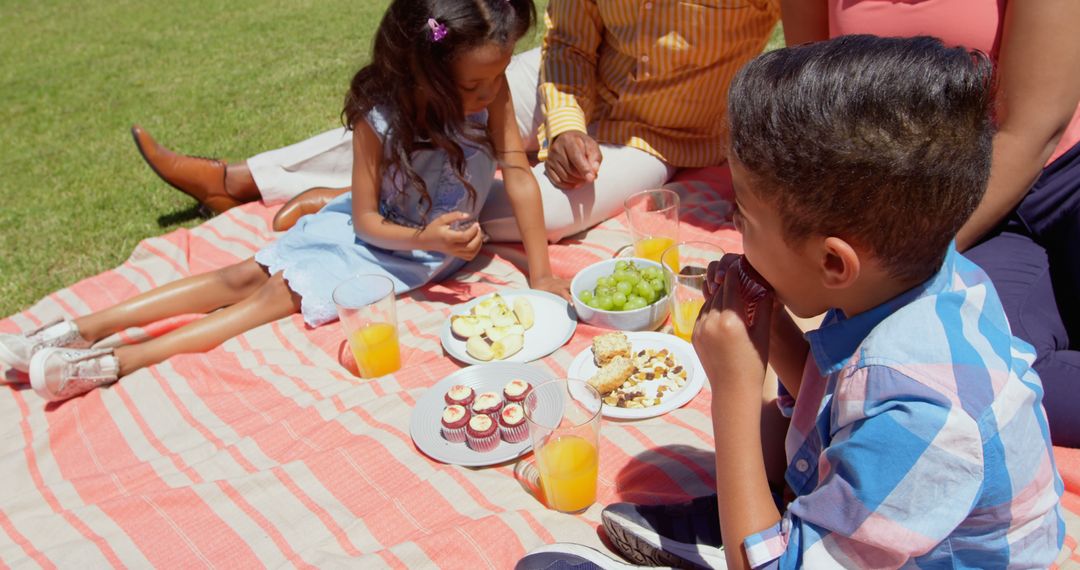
626	293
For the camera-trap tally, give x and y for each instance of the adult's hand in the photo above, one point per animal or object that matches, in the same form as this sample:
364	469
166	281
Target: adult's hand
573	159
306	202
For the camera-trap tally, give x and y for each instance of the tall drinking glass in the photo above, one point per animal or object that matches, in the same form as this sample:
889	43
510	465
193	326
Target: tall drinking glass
653	217
564	424
685	265
365	304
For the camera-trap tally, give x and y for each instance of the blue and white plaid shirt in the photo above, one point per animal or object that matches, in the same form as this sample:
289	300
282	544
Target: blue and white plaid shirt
919	440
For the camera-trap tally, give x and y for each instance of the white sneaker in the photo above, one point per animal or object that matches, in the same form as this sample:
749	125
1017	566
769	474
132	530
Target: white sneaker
16	350
61	373
569	556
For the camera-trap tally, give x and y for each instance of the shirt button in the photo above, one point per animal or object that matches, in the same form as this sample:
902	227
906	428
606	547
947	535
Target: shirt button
648	5
802	465
645	59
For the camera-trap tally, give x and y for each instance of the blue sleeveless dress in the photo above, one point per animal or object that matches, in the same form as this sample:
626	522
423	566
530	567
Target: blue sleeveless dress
322	250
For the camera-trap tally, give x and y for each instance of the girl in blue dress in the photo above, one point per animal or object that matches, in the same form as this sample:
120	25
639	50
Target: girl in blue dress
431	118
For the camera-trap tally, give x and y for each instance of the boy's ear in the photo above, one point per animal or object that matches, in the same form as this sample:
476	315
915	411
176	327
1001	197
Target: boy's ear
840	264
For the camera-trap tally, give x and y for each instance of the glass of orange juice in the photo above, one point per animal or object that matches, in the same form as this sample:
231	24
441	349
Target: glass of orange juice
653	217
685	265
564	425
365	304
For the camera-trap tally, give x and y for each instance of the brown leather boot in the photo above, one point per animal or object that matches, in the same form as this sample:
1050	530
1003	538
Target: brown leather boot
200	178
307	202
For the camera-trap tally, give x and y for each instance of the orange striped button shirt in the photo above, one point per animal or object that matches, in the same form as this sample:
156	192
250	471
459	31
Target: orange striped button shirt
650	74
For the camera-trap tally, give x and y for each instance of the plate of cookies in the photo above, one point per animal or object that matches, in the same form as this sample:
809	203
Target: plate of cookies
640	374
515	325
474	417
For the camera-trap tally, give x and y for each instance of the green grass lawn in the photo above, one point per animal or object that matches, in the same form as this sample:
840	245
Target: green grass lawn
210	78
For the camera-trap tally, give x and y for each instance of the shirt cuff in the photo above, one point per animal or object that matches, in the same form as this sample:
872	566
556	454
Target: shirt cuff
765	546
563	119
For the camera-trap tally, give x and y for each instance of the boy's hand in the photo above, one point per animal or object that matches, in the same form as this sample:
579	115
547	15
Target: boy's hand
552	284
573	159
732	333
441	235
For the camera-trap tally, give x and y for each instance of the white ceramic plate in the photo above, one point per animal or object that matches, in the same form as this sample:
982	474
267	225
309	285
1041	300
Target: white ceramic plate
554	325
584	368
426	423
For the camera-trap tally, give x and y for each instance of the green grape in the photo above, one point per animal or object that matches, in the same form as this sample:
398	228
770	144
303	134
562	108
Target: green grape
633	277
593	302
624	288
635	303
630	298
585	296
657	285
650	273
643	289
618	300
621	265
605	302
605	282
604	291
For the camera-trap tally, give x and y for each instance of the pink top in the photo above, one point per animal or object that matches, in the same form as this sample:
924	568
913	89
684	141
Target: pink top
974	24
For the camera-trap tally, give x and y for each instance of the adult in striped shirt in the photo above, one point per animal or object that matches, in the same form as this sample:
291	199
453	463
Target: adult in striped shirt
918	437
620	95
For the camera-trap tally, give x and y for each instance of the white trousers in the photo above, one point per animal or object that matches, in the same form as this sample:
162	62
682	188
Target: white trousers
326	160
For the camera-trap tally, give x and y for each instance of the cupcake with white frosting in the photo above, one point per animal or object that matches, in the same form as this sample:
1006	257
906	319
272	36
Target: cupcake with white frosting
512	426
459	394
516	390
488	404
454	420
482	433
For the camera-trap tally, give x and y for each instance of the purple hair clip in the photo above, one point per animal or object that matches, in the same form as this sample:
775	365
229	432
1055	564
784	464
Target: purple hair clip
438	31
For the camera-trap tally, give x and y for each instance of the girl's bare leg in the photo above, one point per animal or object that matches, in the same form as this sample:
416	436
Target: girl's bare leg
272	301
196	294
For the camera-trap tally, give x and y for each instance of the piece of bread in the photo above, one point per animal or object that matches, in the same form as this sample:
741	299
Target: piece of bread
608	346
613	374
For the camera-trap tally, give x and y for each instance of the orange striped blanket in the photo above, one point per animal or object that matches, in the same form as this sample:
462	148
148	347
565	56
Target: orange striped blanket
266	452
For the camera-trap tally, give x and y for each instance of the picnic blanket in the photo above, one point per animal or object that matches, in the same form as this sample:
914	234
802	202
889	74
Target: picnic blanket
266	451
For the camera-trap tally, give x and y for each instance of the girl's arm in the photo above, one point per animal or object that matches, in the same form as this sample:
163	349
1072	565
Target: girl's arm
524	193
374	229
1038	91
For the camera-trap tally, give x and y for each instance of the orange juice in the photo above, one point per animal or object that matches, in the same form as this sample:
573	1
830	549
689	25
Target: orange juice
653	247
568	470
375	348
684	316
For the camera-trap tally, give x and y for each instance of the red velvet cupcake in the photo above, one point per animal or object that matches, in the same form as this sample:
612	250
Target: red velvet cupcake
488	404
454	419
482	434
512	426
516	390
459	394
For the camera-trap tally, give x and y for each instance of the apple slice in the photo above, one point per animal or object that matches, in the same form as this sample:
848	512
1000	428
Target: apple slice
523	310
495	333
466	326
479	348
484	308
502	316
507	346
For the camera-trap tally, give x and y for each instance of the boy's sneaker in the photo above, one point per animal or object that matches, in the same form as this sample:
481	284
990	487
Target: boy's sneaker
16	350
61	373
684	535
569	556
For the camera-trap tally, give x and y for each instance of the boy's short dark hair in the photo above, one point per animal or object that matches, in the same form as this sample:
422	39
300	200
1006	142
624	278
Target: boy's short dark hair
885	142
